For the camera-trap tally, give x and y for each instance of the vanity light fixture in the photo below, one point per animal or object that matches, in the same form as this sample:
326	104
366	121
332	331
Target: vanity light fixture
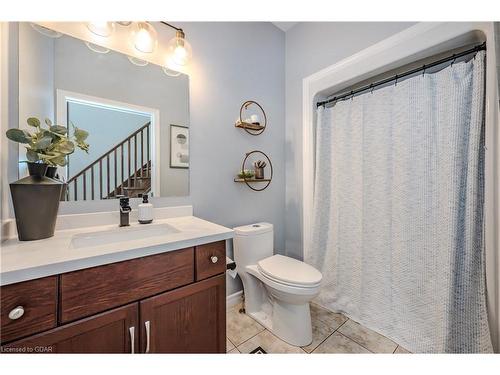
171	72
145	37
137	61
97	48
179	49
45	31
104	29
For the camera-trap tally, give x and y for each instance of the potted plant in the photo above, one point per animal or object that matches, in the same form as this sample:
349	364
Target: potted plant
49	146
36	198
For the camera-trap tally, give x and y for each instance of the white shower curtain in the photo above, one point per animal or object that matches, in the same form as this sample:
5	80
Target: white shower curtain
398	210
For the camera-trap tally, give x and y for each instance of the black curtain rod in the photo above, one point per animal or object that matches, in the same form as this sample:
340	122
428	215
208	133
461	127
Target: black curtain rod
453	57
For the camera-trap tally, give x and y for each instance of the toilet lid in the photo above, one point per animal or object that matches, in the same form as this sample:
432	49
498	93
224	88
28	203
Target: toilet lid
289	270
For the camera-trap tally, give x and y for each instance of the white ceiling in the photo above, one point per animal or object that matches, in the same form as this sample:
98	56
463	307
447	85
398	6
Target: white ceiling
285	25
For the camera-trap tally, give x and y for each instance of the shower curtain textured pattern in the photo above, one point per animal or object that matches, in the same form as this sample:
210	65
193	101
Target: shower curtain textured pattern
398	210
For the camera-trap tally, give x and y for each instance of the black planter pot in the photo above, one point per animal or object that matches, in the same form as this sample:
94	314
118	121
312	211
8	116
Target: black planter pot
37	169
52	173
36	202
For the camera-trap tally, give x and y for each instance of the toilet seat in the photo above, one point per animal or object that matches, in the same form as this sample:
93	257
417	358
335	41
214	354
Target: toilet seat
289	271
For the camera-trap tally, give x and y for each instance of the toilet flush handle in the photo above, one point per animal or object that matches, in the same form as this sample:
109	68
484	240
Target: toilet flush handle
214	259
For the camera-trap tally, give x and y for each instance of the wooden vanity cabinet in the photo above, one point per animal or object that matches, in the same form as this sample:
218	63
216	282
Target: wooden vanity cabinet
110	332
146	305
191	319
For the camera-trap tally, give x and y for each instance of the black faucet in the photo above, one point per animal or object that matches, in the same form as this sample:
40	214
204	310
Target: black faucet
124	212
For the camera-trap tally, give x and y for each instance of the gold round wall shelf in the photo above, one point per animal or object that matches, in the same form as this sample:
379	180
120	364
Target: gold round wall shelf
259	175
252	122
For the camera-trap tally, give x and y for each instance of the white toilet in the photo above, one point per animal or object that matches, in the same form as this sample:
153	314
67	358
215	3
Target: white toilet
277	288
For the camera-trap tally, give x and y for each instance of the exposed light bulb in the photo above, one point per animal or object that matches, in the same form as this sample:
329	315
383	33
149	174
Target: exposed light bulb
103	29
180	50
145	37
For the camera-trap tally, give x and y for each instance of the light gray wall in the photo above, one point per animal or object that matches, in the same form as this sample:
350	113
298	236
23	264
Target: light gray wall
234	62
310	47
36	80
112	76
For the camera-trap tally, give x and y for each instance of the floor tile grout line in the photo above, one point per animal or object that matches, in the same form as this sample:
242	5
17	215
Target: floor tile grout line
265	329
326	338
300	347
230	341
347	337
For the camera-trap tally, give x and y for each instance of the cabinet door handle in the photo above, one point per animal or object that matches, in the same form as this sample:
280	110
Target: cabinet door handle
214	259
147	325
131	331
16	313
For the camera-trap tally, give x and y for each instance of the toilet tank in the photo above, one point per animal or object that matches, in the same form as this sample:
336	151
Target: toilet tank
252	243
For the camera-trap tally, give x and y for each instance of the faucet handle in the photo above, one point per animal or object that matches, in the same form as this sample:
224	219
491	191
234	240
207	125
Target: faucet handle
123	200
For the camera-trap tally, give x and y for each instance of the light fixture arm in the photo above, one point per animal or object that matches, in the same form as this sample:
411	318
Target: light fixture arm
172	26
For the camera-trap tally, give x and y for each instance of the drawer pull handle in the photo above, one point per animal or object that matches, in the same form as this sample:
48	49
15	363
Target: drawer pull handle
16	313
214	259
131	330
148	333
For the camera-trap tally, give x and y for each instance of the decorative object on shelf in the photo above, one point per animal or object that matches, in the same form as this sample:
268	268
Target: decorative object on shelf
259	166
253	124
249	180
247	173
179	146
36	198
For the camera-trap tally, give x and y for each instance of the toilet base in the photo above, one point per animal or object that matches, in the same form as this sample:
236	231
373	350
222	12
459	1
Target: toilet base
290	322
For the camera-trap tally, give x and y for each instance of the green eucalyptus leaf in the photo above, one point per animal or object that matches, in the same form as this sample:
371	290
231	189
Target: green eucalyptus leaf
59	160
18	135
33	121
66	147
43	143
32	156
80	134
48	122
58	129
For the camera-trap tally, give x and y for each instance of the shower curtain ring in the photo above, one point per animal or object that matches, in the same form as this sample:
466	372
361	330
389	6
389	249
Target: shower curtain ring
372	87
423	73
352	94
454	58
396	83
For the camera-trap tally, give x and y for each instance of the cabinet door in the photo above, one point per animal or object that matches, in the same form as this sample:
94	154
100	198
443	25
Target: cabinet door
114	331
191	319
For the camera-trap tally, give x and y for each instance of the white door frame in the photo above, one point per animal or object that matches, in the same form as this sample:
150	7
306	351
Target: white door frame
417	42
64	96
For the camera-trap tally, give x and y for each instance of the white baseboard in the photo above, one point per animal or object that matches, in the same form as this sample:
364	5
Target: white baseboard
234	299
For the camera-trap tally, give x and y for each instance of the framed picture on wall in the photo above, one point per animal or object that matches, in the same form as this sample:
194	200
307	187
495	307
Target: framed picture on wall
179	146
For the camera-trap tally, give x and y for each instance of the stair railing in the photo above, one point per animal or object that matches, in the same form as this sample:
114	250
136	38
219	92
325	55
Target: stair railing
116	171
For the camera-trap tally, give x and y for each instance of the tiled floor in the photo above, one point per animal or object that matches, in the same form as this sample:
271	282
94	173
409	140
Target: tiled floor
332	333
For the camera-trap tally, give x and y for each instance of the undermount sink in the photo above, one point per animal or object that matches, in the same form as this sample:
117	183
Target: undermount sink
123	234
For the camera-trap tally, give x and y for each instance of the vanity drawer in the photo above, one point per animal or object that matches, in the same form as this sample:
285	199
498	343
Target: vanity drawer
36	301
210	260
92	290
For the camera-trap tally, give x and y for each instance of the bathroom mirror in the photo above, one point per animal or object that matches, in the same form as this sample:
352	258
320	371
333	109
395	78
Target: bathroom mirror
136	114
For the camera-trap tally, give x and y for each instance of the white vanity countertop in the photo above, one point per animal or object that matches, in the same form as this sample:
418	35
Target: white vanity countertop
28	260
